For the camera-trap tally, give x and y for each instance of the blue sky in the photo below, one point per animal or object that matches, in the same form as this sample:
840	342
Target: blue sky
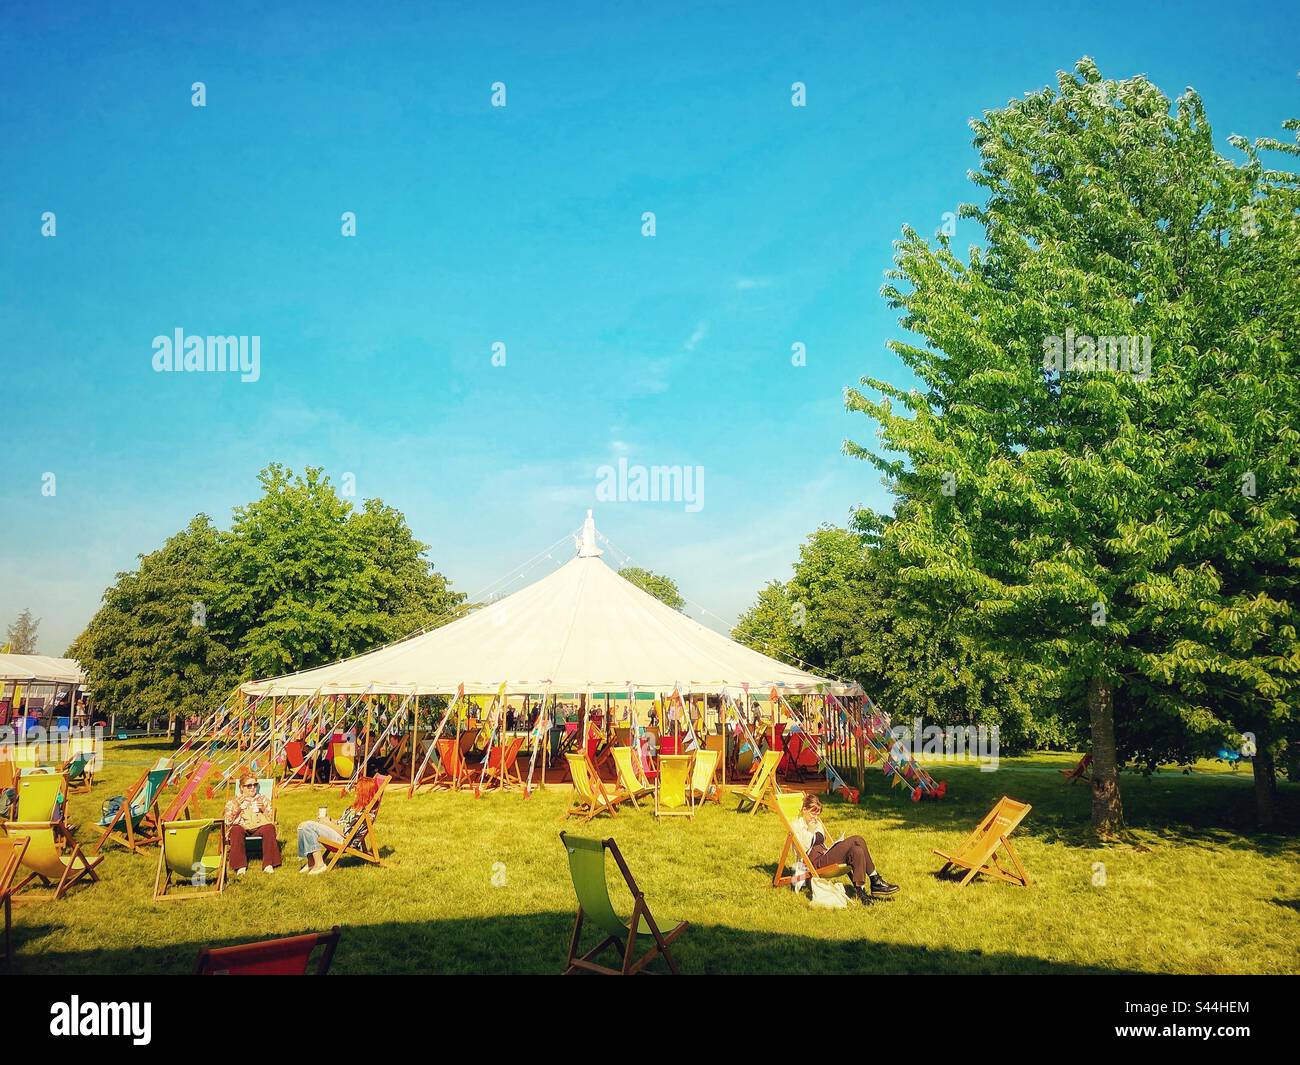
476	225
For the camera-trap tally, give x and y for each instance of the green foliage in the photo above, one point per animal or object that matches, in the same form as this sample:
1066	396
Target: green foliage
662	588
300	579
1037	500
844	612
148	652
20	637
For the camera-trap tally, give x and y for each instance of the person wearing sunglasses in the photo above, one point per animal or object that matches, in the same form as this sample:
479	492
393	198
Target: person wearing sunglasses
249	813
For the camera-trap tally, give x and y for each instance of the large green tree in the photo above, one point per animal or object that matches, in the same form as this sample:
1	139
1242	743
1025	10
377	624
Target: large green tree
1128	527
148	651
299	579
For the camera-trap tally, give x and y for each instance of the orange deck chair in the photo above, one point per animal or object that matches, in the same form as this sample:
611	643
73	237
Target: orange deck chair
271	957
501	769
455	770
1082	770
978	852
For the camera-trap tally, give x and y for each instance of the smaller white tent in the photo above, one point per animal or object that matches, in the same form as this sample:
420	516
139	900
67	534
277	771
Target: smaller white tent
40	669
583	628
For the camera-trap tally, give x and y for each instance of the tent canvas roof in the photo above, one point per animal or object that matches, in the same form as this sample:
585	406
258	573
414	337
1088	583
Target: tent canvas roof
581	628
37	669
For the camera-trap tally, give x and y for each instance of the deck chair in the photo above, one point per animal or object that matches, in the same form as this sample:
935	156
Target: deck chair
978	852
451	757
40	796
180	810
26	756
184	855
704	777
501	769
673	794
788	808
1082	770
358	844
8	769
134	824
631	783
271	957
590	799
342	761
297	768
761	783
11	857
78	772
587	869
46	861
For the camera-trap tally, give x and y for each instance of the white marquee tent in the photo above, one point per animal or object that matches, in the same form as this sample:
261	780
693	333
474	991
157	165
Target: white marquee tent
583	628
40	669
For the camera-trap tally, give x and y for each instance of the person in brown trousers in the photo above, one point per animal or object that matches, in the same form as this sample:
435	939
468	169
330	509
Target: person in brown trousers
249	813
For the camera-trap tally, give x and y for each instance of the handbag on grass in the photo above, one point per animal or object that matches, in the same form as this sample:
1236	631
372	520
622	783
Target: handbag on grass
828	895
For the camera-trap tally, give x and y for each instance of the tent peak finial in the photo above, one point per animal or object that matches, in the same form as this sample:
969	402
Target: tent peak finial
586	543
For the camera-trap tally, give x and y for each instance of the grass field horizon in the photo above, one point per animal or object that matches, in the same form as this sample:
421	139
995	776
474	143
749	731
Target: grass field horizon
1190	888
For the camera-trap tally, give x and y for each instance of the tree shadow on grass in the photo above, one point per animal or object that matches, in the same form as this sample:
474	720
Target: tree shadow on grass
537	943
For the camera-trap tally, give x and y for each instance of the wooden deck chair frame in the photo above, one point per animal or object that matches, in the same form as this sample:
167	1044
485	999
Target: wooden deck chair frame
11	858
1081	770
673	761
180	808
163	878
504	773
83	780
628	783
763	782
147	821
71	874
452	770
595	800
298	774
367	849
978	852
783	811
640	911
222	961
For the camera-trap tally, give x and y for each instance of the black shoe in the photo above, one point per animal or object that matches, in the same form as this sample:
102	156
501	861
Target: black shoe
860	893
880	887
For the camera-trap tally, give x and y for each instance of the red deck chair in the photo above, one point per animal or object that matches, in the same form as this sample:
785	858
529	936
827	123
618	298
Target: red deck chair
296	767
799	758
455	770
272	957
507	774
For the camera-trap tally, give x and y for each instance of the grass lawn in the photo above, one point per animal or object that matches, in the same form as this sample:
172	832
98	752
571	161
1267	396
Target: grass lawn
1193	889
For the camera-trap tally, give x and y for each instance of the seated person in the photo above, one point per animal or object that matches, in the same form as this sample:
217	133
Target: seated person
310	833
249	813
852	852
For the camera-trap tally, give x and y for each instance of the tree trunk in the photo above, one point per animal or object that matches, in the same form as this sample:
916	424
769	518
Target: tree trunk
1265	786
1107	809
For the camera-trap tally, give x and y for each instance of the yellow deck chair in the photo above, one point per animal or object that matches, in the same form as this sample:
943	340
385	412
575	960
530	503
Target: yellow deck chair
46	860
183	855
673	793
631	784
27	757
590	799
789	807
38	794
978	852
704	782
762	782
